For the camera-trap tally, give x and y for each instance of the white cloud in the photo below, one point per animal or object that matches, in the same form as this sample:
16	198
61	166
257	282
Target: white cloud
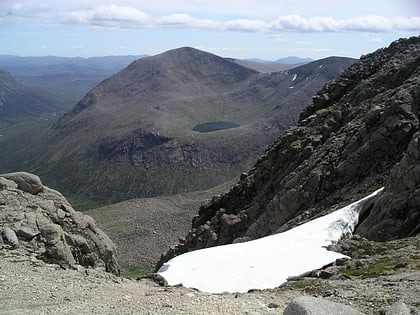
244	25
108	16
185	20
371	23
119	16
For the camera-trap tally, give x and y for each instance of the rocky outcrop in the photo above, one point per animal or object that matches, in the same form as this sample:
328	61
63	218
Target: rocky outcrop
41	221
343	147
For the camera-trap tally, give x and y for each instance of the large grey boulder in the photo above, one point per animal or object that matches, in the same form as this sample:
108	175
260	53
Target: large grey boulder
42	221
307	305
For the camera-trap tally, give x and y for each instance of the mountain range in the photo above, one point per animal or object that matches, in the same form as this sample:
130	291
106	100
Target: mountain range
179	121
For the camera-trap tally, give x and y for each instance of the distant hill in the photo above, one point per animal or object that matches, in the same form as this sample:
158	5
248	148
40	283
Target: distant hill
292	60
19	99
23	105
70	78
179	121
263	66
49	65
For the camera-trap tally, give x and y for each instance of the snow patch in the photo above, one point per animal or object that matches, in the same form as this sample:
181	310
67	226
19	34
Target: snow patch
266	262
294	77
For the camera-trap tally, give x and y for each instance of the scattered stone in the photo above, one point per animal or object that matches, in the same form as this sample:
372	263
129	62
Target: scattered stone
273	305
307	305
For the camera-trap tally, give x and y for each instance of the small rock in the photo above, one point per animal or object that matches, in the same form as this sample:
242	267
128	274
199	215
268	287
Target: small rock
9	237
341	261
325	274
27	233
273	305
401	265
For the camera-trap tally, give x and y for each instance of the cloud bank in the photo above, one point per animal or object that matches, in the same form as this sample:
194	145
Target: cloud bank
127	17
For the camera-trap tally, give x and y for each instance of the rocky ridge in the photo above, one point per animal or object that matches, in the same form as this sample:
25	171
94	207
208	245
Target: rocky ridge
41	222
361	128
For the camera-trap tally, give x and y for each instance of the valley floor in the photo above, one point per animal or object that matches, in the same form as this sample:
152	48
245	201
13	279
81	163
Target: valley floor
382	274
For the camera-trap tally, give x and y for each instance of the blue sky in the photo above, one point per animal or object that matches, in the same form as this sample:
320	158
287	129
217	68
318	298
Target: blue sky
266	29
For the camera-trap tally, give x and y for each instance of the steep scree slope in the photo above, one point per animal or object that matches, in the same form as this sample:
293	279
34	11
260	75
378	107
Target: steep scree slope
360	127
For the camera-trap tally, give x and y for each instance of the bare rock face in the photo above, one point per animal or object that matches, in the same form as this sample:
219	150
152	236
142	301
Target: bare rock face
359	128
42	221
397	212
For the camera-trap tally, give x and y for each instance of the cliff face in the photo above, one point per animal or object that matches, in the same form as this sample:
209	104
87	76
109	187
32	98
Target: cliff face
360	133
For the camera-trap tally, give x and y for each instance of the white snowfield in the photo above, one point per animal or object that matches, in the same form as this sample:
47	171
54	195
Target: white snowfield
266	262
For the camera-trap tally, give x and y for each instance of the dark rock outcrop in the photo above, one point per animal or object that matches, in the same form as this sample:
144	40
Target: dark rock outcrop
40	220
343	147
397	214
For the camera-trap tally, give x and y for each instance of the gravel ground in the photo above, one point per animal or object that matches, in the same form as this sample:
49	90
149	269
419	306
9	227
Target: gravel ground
31	286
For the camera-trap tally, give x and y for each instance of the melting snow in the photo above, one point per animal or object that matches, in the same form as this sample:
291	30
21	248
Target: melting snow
266	262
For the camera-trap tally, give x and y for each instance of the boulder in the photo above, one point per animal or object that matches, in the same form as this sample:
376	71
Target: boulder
398	308
307	305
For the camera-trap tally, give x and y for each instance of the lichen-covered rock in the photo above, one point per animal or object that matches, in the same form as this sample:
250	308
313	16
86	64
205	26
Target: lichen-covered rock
43	222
